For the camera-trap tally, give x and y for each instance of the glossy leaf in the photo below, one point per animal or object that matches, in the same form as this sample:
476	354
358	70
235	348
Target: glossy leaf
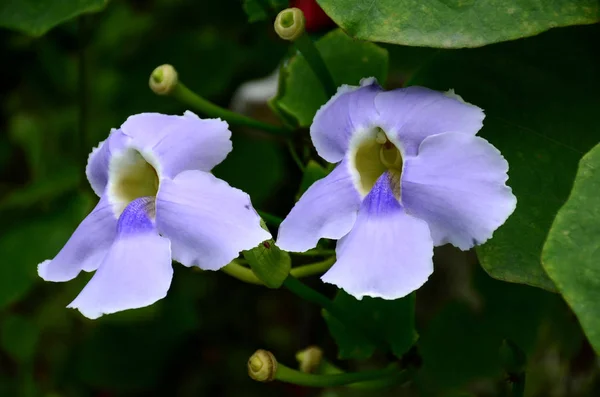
37	17
348	61
455	23
393	320
312	173
541	117
571	255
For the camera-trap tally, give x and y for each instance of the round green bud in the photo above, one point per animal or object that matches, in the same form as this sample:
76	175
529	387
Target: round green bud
290	23
262	366
163	79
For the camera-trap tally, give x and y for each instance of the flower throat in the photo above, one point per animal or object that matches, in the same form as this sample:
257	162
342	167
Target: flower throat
374	156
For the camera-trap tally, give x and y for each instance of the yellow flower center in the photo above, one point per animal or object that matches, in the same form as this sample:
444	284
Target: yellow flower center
374	155
131	176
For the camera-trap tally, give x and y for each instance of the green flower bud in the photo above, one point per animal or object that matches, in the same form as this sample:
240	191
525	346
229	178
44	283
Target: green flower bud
163	79
262	366
310	359
269	263
290	24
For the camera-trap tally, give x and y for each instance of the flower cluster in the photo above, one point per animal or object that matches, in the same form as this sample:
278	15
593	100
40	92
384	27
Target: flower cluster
411	174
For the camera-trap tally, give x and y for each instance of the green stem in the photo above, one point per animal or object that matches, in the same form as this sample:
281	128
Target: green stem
289	375
307	47
518	385
294	155
305	292
275	220
245	274
190	98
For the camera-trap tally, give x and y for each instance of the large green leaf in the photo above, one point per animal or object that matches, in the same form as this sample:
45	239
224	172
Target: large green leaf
571	254
539	95
392	320
348	61
36	17
455	23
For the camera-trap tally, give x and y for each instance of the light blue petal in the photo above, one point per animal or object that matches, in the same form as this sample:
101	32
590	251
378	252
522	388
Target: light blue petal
86	248
411	114
136	271
208	222
346	113
326	210
387	254
99	160
172	144
457	184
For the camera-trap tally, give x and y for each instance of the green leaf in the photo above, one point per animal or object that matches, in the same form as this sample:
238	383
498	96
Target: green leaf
24	246
19	337
312	173
269	263
455	23
348	62
571	255
394	320
35	17
259	10
541	113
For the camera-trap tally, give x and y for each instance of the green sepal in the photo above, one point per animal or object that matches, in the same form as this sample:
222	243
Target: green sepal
269	263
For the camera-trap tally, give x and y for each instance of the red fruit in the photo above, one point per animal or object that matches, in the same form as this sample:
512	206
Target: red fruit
316	19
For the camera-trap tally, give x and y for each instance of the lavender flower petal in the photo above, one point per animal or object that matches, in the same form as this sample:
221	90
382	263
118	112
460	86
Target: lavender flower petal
388	253
99	159
86	248
136	271
414	113
207	221
326	210
173	144
457	184
346	113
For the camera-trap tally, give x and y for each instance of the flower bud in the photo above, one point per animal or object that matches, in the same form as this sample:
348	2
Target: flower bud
310	358
163	79
290	23
262	366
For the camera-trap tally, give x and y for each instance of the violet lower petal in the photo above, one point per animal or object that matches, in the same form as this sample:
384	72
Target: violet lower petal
387	254
86	248
173	144
326	210
411	114
208	222
457	184
349	111
136	271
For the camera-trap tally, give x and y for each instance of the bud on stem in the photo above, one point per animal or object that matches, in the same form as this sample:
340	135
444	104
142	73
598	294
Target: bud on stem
310	359
262	366
290	24
163	79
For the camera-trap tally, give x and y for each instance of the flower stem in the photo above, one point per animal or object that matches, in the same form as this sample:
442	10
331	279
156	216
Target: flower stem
294	155
190	98
307	47
245	274
316	252
289	375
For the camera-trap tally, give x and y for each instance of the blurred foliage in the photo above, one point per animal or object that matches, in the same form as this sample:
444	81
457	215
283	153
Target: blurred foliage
63	92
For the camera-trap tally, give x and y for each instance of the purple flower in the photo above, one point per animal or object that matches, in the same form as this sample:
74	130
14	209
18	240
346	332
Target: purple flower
412	175
158	200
